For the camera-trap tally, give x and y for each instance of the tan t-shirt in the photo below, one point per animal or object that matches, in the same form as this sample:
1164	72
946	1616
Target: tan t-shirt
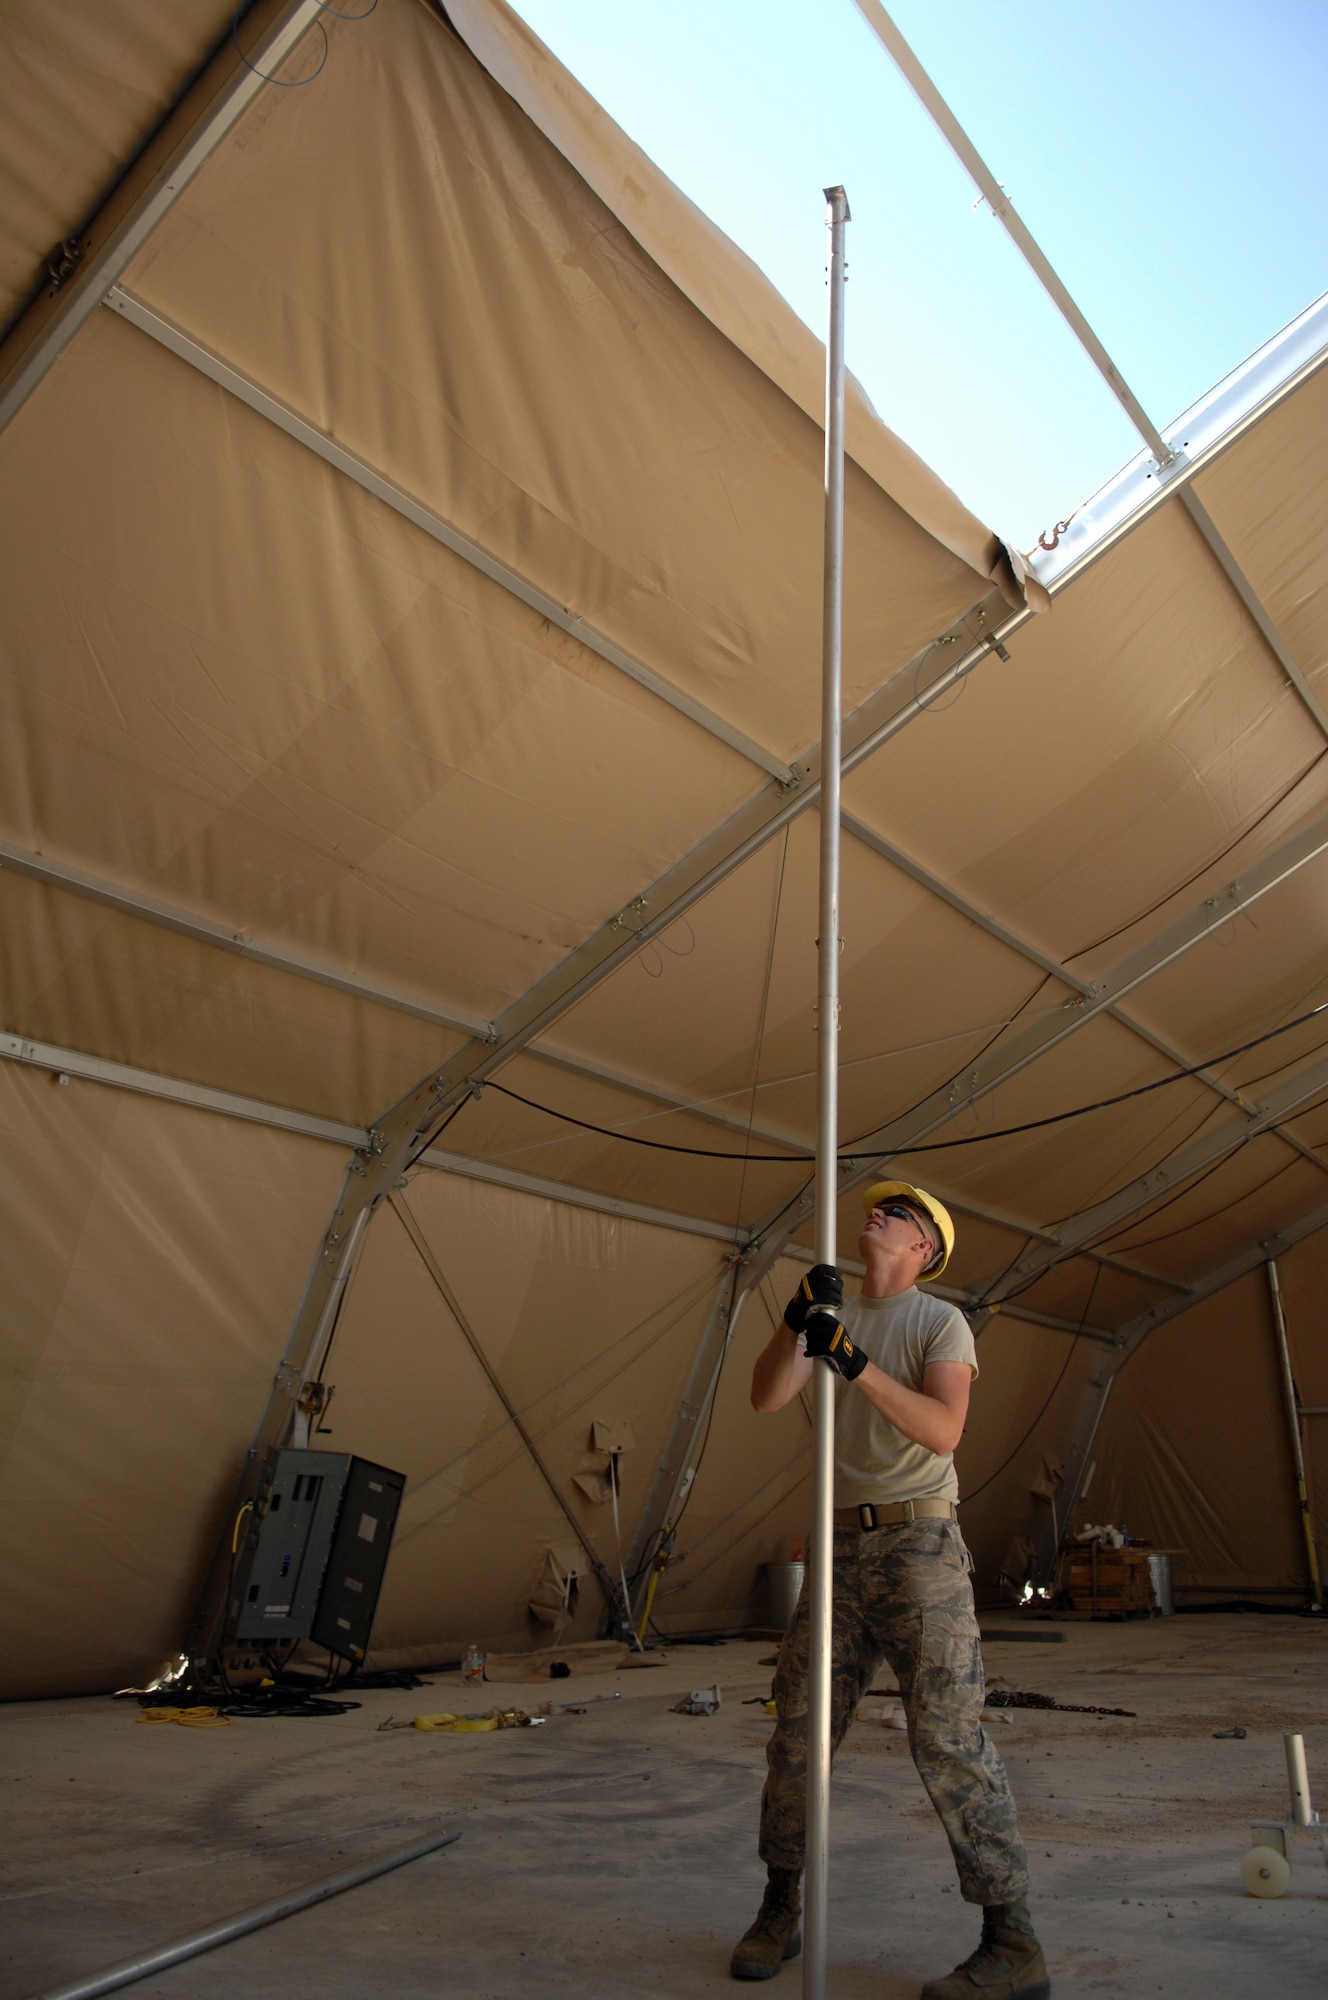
874	1461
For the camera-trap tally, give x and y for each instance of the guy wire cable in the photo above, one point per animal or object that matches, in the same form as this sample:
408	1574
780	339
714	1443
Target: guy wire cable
793	1159
1141	915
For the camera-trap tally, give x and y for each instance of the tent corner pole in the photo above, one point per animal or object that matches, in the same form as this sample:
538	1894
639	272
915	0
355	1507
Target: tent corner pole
820	1579
1293	1415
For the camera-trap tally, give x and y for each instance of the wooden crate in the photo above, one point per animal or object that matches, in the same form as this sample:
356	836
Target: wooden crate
1110	1583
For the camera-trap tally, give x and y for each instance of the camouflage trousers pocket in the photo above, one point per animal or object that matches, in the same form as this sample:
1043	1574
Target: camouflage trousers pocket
959	1545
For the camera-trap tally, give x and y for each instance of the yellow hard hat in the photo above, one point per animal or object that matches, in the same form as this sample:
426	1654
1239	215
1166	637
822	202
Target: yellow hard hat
884	1191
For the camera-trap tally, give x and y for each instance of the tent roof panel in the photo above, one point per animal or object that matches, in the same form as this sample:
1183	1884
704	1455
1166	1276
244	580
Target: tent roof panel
547	391
705	265
103	984
1268	496
141	1331
233	702
1134	736
80	86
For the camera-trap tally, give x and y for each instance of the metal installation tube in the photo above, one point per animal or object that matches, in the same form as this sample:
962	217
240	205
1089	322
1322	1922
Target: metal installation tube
148	1962
1298	1778
827	1124
1293	1430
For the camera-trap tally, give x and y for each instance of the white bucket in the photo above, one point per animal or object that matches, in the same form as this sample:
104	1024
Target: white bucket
785	1581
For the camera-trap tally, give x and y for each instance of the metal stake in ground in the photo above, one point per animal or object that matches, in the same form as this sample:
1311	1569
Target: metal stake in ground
827	1122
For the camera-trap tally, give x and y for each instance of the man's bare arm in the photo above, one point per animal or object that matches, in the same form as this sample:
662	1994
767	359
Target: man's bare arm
934	1419
782	1371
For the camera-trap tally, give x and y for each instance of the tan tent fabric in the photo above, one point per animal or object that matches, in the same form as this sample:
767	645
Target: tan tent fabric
543	385
572	1309
727	288
1221	1491
234	682
80	86
152	1257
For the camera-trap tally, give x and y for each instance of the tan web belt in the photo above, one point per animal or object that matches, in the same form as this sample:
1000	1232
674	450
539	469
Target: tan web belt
894	1513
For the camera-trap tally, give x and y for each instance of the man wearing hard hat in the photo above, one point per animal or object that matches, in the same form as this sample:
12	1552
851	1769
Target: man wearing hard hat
901	1586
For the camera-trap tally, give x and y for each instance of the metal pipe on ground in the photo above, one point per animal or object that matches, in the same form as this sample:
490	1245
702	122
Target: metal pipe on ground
146	1963
827	1125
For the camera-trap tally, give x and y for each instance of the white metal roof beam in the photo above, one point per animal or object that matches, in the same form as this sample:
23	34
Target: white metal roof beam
1126	1342
256	398
149	1083
408	1127
1105	1217
1003	209
239	943
61	1062
1008	1059
208	110
203	930
1026	949
1254	605
1165	453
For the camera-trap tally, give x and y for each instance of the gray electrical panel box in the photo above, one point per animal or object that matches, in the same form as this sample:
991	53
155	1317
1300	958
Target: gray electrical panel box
360	1546
309	1505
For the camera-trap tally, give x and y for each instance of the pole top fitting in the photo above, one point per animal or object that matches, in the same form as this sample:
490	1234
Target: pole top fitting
838	201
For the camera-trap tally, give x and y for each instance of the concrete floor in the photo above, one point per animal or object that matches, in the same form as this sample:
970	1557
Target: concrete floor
612	1853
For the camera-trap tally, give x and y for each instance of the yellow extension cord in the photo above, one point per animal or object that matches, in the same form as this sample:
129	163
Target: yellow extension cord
188	1718
457	1725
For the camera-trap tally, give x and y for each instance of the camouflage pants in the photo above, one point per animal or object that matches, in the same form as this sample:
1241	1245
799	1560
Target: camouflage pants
902	1595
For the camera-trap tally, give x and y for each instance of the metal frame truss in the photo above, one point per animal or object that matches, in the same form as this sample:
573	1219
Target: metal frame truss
209	108
405	1134
1005	1061
408	1130
133	903
1084	987
192	351
1169	456
65	1064
1126	1342
1105	1217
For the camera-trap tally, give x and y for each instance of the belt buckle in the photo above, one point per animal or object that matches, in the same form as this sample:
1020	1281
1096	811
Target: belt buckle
866	1516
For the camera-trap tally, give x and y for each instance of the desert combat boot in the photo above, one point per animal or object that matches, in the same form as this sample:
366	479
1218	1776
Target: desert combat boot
775	1935
1007	1965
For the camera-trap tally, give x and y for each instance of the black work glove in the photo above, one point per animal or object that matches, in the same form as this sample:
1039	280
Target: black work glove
829	1340
821	1292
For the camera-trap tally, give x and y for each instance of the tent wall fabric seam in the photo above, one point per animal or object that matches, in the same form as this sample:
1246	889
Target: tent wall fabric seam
1129	1339
176	341
721	282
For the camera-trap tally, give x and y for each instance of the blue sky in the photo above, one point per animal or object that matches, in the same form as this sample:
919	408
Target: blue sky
1169	157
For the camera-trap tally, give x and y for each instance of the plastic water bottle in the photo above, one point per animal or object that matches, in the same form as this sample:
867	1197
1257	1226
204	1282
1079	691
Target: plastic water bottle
472	1667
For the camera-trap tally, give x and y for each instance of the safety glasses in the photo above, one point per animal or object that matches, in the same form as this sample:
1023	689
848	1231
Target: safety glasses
904	1215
